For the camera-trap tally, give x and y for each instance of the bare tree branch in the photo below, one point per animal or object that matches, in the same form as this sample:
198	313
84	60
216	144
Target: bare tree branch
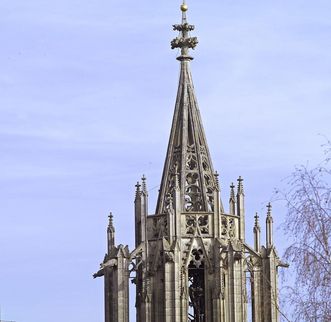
308	226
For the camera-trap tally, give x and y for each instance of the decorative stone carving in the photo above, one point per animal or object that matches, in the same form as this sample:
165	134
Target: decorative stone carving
197	257
190	224
183	27
159	227
180	42
224	226
231	228
237	256
228	227
169	256
224	259
193	198
191	162
209	182
253	262
193	221
171	184
203	224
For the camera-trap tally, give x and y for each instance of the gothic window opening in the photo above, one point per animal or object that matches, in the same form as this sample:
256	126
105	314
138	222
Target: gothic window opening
248	296
190	134
196	288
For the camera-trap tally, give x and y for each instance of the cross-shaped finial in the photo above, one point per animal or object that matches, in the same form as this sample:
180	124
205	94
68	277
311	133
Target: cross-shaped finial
256	219
111	225
269	207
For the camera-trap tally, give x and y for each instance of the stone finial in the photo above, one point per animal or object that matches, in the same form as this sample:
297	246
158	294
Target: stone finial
110	233
269	213
216	175
269	226
257	224
183	41
240	185
138	191
269	207
232	195
232	200
111	224
241	208
257	232
144	185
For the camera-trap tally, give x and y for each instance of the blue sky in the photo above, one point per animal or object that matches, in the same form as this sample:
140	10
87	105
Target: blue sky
87	91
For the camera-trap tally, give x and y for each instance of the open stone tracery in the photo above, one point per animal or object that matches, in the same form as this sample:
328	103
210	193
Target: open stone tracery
191	262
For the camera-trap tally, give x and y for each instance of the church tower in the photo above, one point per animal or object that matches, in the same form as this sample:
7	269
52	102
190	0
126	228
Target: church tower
191	262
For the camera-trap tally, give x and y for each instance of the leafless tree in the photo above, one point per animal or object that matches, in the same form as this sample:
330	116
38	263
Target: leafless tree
308	226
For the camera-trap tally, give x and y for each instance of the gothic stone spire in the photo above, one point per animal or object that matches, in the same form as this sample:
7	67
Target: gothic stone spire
190	263
188	153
